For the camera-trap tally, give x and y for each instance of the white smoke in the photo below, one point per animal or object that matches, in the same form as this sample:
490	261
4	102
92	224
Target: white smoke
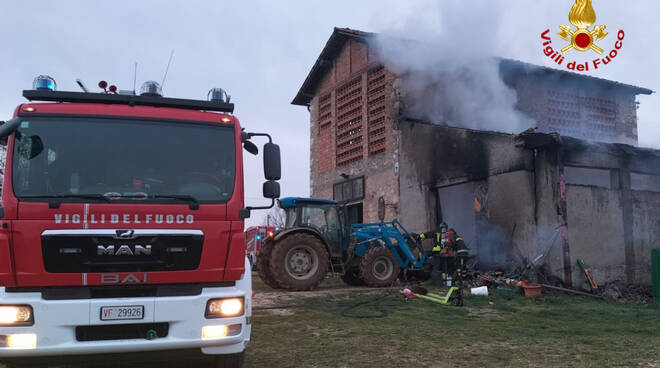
448	73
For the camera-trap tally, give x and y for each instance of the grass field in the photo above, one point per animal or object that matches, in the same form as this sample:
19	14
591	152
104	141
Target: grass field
323	330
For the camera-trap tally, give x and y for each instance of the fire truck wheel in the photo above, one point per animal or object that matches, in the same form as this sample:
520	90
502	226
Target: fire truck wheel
379	267
263	265
299	262
230	360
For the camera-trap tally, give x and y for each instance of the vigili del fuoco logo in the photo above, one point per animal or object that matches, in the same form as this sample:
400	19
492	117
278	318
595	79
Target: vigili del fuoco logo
583	39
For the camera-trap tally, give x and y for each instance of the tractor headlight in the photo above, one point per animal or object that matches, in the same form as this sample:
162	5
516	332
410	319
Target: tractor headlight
226	307
16	315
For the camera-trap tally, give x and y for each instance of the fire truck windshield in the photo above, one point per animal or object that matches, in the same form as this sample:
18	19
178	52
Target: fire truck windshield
123	159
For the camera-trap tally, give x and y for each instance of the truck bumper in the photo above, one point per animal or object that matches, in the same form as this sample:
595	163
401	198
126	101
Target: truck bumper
56	321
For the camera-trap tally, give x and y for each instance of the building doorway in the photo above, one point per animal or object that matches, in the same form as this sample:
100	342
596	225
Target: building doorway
353	214
456	208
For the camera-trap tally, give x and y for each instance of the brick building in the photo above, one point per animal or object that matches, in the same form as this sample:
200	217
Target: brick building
507	195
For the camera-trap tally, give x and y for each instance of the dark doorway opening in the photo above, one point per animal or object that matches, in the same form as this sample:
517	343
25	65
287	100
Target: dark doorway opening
353	214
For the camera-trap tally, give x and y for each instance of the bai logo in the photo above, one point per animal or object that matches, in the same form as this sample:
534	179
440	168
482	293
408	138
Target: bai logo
583	38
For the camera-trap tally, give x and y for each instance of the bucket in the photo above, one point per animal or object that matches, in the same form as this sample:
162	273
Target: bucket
532	290
481	290
655	271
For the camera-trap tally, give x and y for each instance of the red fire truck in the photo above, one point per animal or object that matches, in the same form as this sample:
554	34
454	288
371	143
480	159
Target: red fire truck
254	238
122	227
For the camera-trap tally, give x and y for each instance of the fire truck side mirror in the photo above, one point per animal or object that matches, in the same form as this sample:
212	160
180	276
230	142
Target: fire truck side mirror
271	189
9	127
272	163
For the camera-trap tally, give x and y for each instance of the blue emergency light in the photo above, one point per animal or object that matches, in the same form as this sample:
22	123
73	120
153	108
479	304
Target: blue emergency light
44	82
258	237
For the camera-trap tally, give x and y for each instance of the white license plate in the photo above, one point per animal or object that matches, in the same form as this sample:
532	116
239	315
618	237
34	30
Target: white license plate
122	312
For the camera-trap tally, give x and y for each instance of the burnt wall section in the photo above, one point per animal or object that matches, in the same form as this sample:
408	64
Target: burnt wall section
611	225
478	182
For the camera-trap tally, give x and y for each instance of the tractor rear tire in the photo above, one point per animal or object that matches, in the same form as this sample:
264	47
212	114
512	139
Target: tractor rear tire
299	262
263	264
379	267
352	276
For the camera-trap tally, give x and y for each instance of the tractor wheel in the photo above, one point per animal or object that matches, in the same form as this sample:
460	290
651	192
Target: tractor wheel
263	265
299	262
379	267
352	276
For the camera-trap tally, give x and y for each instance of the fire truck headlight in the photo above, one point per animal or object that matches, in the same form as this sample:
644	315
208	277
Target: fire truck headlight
44	82
227	307
219	331
16	315
19	341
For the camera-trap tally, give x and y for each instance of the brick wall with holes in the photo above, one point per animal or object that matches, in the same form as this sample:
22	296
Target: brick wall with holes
606	115
353	131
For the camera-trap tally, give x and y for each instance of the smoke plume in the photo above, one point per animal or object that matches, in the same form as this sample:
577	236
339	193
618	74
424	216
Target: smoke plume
448	74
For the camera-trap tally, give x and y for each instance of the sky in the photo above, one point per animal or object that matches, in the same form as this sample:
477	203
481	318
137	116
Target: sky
261	51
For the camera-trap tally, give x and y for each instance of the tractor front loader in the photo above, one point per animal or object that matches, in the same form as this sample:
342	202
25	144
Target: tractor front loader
314	242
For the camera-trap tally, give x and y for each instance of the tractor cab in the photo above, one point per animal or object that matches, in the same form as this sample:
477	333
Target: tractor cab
320	216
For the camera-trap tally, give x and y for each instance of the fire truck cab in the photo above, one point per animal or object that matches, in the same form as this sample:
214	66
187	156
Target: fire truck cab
121	228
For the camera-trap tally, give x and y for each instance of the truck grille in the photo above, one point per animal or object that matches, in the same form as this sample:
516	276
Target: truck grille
119	332
66	251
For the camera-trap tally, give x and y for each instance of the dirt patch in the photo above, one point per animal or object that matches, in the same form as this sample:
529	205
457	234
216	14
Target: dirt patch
274	298
283	303
481	312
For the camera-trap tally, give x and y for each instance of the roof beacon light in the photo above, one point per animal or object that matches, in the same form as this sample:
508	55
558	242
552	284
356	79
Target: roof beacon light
218	95
43	82
151	88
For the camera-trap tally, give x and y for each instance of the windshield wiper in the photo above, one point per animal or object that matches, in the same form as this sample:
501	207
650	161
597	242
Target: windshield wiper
55	199
193	202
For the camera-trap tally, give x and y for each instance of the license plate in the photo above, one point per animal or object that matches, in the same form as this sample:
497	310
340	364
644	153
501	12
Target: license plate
122	312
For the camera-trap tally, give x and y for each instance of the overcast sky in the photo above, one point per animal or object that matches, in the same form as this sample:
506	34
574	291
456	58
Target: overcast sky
261	51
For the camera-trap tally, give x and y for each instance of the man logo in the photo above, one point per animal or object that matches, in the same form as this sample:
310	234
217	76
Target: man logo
123	250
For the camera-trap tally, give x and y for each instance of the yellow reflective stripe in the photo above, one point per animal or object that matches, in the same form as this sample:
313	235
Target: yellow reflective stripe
437	248
462	251
421	236
459	238
437	237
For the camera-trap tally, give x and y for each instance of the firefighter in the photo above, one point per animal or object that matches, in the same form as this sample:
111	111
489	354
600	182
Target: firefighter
440	259
460	251
460	257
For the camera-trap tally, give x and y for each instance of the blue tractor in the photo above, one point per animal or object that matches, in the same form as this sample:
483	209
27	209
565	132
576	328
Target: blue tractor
316	240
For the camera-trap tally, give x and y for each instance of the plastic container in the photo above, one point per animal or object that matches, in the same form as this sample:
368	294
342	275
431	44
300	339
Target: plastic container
655	271
532	290
481	290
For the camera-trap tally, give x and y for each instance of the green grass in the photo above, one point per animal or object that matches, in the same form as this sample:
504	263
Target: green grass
496	331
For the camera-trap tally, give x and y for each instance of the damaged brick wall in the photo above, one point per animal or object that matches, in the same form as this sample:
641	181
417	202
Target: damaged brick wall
353	131
578	109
